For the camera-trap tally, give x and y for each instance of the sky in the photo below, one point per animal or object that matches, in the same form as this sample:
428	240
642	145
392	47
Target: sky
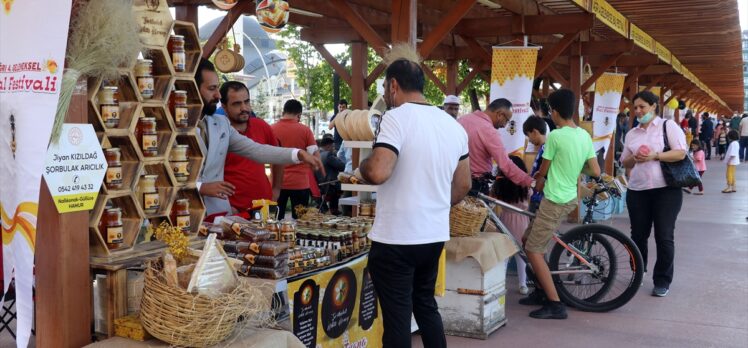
743	11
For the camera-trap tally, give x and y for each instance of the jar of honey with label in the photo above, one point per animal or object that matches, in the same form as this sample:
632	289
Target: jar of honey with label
180	163
109	106
148	136
148	189
144	77
180	215
113	178
111	228
178	107
176	49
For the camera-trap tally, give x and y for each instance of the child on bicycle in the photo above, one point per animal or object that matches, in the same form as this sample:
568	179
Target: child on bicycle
507	191
568	152
535	129
699	162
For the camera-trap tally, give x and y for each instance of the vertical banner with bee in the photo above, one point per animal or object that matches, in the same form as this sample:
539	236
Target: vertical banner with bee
31	62
608	89
512	73
336	307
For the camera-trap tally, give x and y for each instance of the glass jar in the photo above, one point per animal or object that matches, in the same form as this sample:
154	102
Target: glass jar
288	227
178	107
109	106
148	136
274	228
111	227
151	202
176	49
113	178
180	163
180	215
144	77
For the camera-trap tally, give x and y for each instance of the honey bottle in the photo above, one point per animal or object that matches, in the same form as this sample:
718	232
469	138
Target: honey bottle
151	202
113	179
111	228
180	215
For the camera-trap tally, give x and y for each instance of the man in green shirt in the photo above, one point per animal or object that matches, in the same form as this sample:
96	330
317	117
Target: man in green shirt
568	152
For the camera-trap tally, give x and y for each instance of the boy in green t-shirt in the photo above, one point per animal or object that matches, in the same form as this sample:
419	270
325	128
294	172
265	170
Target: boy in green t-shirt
568	152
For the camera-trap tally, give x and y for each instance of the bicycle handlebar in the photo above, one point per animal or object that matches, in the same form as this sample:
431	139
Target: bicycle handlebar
505	205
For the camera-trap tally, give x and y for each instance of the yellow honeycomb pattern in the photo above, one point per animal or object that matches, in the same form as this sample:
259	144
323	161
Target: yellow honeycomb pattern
510	63
609	83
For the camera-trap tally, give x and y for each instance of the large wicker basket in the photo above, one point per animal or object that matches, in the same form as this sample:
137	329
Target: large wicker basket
179	318
466	218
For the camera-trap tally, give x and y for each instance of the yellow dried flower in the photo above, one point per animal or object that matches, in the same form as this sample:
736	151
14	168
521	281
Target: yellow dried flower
174	238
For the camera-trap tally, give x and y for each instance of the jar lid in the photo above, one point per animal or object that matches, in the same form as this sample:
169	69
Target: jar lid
150	176
112	149
111	88
183	201
181	146
178	36
114	210
148	119
179	91
145	61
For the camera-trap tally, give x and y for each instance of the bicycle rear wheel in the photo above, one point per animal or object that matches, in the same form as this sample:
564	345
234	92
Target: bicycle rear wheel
619	263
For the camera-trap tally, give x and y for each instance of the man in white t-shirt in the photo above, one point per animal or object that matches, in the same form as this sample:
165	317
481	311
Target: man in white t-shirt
420	162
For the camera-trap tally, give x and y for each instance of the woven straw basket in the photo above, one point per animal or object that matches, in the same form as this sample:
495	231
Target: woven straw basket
182	319
466	218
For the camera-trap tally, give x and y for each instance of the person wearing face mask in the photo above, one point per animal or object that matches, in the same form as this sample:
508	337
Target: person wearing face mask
485	144
650	200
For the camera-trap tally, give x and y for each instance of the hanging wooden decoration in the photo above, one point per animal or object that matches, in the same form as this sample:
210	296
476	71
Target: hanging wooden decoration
225	59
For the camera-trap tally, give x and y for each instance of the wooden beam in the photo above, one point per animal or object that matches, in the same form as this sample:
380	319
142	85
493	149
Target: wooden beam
435	79
339	69
660	69
452	77
652	83
360	25
187	13
374	75
404	13
479	52
458	10
599	48
546	83
529	25
226	23
359	58
557	77
600	71
554	52
466	81
627	60
337	34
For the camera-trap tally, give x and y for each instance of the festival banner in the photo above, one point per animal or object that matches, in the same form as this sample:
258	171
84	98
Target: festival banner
512	73
31	63
608	89
610	16
336	307
642	39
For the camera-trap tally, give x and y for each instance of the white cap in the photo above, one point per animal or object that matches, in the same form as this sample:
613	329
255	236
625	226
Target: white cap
451	99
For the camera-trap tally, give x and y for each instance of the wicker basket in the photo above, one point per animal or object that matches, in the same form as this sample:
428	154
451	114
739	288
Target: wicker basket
182	319
466	218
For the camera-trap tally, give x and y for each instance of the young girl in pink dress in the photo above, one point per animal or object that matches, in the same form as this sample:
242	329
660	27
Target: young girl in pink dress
507	191
699	162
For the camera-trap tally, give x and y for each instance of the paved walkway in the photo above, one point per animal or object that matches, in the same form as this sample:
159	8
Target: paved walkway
708	301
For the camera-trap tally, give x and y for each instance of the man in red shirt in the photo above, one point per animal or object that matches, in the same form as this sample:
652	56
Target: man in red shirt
293	134
246	175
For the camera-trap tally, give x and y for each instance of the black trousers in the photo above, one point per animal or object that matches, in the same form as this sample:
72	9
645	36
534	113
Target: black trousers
404	277
298	197
658	207
706	144
743	149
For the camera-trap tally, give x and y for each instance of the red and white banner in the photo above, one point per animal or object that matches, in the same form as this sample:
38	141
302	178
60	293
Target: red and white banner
31	62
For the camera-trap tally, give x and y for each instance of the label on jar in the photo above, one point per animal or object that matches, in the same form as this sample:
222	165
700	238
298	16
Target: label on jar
150	201
145	85
114	235
113	176
183	222
180	170
180	116
110	115
150	142
178	59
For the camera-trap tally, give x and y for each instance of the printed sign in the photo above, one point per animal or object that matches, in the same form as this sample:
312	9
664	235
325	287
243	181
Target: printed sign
610	16
608	89
642	39
154	21
662	52
75	168
336	307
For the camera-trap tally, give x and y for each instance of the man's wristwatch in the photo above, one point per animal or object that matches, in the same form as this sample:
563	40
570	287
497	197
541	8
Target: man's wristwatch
532	184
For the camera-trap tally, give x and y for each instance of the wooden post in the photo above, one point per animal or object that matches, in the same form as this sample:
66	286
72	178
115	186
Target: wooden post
187	13
63	281
359	59
404	14
575	82
452	77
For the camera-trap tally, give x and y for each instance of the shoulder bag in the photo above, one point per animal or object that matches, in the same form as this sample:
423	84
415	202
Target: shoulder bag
680	173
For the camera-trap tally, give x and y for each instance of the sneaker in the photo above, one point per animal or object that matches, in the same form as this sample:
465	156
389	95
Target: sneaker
660	292
523	290
698	193
727	190
687	190
551	310
644	277
536	298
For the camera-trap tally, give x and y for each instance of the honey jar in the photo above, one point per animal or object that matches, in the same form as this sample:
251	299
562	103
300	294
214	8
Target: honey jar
144	77
274	228
109	106
176	49
151	202
180	215
178	106
179	162
148	137
113	178
111	227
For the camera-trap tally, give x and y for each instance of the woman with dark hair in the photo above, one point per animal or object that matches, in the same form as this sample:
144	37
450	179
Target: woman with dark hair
650	201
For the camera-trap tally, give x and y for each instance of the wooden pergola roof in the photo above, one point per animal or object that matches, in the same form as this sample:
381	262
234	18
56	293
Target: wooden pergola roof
694	52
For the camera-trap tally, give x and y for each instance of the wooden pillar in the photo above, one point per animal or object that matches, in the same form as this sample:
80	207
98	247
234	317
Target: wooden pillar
546	86
575	81
359	71
63	282
452	77
633	89
404	23
187	13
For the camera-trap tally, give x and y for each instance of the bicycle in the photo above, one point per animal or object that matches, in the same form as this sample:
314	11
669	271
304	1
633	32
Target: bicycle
596	268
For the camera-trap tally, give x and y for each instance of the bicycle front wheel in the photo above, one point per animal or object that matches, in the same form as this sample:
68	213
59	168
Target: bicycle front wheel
618	274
